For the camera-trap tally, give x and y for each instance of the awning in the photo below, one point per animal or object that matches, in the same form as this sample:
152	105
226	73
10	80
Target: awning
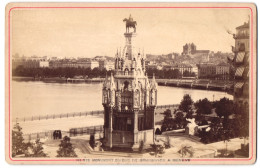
239	71
239	85
240	57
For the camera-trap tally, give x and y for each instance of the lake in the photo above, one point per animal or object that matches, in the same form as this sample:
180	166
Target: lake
34	98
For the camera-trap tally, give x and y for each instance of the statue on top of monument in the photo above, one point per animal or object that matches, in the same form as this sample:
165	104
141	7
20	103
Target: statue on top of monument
130	23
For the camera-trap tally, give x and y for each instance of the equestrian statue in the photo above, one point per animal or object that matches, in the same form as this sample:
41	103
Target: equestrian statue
130	23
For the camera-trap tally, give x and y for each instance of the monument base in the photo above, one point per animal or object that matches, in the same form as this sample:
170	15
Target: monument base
135	147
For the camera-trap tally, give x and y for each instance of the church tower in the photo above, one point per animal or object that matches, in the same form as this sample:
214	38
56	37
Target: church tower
129	98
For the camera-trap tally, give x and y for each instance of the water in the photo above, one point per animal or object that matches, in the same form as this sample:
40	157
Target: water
36	98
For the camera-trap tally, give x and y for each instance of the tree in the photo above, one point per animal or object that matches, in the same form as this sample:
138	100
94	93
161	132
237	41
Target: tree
227	132
206	137
66	149
186	73
186	105
36	149
224	107
167	114
167	121
18	145
203	106
216	130
242	119
92	141
180	120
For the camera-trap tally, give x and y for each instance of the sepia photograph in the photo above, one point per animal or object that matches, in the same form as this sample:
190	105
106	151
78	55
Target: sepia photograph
130	83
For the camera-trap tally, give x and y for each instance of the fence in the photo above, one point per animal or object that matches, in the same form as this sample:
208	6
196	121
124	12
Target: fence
166	106
77	114
93	130
85	130
41	135
55	116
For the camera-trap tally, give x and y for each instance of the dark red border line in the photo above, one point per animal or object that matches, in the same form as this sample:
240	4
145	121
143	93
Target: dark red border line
141	7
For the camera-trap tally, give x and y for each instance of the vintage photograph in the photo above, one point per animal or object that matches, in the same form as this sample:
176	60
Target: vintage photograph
130	83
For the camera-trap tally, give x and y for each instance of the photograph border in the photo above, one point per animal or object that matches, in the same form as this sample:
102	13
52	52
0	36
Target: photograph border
252	70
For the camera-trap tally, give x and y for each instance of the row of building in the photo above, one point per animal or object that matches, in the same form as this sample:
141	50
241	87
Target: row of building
202	71
41	62
212	71
205	70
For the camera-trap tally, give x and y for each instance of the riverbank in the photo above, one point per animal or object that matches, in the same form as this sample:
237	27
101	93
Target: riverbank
200	84
58	79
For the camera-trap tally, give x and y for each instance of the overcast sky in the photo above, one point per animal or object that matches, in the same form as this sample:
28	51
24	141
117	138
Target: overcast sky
91	32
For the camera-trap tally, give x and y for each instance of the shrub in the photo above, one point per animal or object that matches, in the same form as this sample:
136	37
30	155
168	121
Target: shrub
92	141
141	147
158	131
66	149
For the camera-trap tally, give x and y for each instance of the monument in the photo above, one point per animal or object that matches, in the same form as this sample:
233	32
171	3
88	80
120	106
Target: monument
129	99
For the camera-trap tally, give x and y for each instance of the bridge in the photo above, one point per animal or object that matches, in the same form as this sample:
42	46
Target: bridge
197	84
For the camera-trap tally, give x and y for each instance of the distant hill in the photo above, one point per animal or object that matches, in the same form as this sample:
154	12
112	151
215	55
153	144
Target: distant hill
108	58
162	58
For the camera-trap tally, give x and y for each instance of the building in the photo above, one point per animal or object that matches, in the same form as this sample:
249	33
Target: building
29	62
73	63
43	64
108	65
191	50
241	63
206	71
93	64
194	69
129	101
183	67
168	67
222	71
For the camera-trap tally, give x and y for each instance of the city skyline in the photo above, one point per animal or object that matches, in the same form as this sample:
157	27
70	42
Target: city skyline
89	33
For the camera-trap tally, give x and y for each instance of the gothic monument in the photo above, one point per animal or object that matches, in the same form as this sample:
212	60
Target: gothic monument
129	99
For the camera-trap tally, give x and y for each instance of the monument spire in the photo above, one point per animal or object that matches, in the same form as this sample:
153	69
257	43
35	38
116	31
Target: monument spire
127	95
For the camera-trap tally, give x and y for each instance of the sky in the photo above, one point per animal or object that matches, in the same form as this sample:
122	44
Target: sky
91	32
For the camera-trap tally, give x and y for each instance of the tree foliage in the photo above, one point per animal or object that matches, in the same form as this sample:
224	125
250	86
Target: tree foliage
169	123
225	127
242	119
164	74
186	105
188	74
18	145
66	149
180	120
92	142
68	72
224	107
35	149
203	106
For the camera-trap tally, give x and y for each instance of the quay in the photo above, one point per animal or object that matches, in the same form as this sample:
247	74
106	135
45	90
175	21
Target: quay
204	84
